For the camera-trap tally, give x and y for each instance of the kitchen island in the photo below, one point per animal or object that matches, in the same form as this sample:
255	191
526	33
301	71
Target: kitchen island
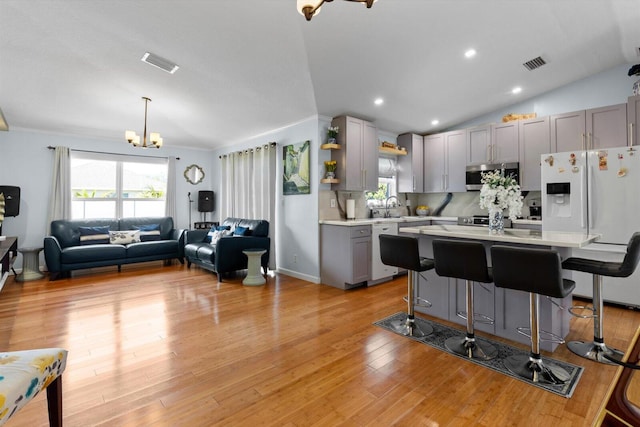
508	308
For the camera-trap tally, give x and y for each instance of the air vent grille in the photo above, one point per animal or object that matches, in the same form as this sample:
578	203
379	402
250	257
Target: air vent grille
157	61
534	63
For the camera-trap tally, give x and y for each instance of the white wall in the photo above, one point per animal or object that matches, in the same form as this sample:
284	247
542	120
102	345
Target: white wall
296	225
26	162
610	87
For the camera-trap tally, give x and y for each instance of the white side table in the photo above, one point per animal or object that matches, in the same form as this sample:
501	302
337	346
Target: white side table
30	264
254	277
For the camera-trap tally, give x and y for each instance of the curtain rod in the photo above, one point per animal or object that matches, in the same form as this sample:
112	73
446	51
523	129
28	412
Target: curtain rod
248	150
114	154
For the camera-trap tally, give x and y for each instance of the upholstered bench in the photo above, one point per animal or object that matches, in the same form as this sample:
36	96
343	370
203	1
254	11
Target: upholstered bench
23	374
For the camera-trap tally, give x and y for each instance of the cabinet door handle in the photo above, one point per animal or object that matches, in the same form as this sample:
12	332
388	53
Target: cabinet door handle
583	143
489	152
414	182
590	141
630	134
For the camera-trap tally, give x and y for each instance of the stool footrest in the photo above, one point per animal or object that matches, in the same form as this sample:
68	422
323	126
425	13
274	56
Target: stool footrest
477	317
544	335
583	307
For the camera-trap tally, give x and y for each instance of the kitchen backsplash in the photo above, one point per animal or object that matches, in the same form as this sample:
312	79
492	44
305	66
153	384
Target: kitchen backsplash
461	204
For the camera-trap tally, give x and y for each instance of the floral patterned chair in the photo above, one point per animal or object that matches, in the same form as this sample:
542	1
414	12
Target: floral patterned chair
23	374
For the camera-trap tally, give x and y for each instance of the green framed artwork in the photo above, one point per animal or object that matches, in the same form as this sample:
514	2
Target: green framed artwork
296	161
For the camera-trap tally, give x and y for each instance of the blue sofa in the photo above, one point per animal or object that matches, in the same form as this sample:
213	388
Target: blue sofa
78	244
226	255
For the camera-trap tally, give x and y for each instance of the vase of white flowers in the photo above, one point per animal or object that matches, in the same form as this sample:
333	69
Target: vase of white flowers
498	193
332	133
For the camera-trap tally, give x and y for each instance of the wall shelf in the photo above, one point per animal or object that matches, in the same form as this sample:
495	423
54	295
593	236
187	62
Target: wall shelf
393	151
328	146
330	181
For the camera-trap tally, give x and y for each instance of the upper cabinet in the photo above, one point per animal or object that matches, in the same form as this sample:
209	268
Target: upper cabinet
357	161
496	143
633	120
534	142
410	167
604	127
444	161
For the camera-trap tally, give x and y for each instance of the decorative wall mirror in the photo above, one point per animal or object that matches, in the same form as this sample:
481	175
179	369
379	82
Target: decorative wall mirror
194	174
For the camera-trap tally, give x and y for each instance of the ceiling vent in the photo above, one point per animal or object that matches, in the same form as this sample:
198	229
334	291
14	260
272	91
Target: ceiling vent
157	61
534	63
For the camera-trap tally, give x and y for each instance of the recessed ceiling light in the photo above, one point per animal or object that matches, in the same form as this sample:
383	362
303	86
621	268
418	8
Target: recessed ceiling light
470	53
516	90
435	122
378	101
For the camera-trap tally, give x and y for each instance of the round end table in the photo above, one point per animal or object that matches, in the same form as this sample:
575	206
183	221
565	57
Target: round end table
30	264
254	277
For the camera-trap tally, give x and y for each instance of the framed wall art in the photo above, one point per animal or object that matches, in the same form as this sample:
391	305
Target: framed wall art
296	176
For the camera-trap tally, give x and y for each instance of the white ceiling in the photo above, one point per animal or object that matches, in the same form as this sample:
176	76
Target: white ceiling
251	66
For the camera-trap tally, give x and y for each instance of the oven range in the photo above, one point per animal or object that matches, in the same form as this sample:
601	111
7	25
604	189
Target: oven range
480	221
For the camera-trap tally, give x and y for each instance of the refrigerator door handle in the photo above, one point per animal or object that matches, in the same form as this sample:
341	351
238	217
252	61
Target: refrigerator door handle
583	196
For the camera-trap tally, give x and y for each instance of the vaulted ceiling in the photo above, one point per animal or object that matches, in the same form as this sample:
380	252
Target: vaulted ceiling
251	66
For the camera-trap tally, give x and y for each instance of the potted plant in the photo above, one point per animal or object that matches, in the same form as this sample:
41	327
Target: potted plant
332	133
330	169
635	71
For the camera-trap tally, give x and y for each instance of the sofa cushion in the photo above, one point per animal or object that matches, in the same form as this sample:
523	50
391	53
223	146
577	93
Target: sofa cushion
148	232
124	237
258	227
67	232
165	224
202	251
92	253
145	249
94	235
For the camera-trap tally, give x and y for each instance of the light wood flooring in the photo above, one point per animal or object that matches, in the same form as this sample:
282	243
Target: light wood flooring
162	345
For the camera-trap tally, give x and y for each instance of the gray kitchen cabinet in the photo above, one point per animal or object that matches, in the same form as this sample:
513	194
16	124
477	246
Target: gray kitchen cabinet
357	160
603	127
478	144
345	256
444	161
483	304
504	142
535	140
633	120
410	167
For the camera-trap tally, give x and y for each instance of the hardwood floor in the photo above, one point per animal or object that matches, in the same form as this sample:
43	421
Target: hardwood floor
162	345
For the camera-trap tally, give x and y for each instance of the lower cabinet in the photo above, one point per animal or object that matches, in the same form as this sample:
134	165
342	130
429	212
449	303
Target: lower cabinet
345	255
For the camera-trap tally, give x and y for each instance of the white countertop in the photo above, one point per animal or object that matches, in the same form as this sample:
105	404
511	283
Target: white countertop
524	237
400	220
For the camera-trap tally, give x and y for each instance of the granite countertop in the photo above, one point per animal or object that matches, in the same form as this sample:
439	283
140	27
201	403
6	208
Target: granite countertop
400	220
409	219
524	237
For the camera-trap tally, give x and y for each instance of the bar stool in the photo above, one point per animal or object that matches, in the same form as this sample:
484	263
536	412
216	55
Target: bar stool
403	252
465	260
539	272
597	350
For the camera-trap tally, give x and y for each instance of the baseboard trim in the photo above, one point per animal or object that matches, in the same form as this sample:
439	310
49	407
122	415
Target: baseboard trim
298	275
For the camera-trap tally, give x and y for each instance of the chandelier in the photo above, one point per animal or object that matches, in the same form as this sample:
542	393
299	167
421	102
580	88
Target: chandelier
154	137
309	8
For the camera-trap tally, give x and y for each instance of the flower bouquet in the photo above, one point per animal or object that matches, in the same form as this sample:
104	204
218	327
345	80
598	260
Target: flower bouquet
330	168
332	133
498	193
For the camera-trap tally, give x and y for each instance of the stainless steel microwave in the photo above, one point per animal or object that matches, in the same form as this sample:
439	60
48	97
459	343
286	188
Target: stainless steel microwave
474	173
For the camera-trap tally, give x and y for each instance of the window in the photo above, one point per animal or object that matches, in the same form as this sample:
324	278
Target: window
387	184
112	186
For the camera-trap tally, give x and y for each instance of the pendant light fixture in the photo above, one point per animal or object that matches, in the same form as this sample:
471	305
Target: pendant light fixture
154	137
309	8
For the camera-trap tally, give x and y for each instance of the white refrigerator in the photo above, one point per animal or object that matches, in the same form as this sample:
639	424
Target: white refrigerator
596	191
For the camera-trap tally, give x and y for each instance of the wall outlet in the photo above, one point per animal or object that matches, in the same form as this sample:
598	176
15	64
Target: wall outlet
333	203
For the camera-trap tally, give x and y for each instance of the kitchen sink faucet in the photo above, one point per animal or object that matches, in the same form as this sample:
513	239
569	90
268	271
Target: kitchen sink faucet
386	205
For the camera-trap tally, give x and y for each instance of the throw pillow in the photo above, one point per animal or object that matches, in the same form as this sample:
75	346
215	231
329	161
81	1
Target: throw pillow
218	234
241	231
124	237
94	235
214	229
148	232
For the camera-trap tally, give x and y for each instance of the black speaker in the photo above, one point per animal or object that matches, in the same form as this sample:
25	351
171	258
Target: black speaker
205	201
11	200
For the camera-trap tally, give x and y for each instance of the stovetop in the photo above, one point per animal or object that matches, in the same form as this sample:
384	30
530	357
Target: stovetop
480	221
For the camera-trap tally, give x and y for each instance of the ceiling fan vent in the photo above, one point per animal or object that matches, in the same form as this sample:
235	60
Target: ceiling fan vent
534	63
157	61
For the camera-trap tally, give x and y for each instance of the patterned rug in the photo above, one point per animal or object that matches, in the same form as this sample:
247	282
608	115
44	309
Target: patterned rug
441	333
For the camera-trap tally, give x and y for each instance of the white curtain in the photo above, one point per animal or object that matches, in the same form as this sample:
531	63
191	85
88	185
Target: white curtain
170	199
60	194
248	187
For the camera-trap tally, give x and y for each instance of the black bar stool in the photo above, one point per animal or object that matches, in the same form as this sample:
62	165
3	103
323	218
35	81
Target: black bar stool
465	260
597	350
539	272
403	252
